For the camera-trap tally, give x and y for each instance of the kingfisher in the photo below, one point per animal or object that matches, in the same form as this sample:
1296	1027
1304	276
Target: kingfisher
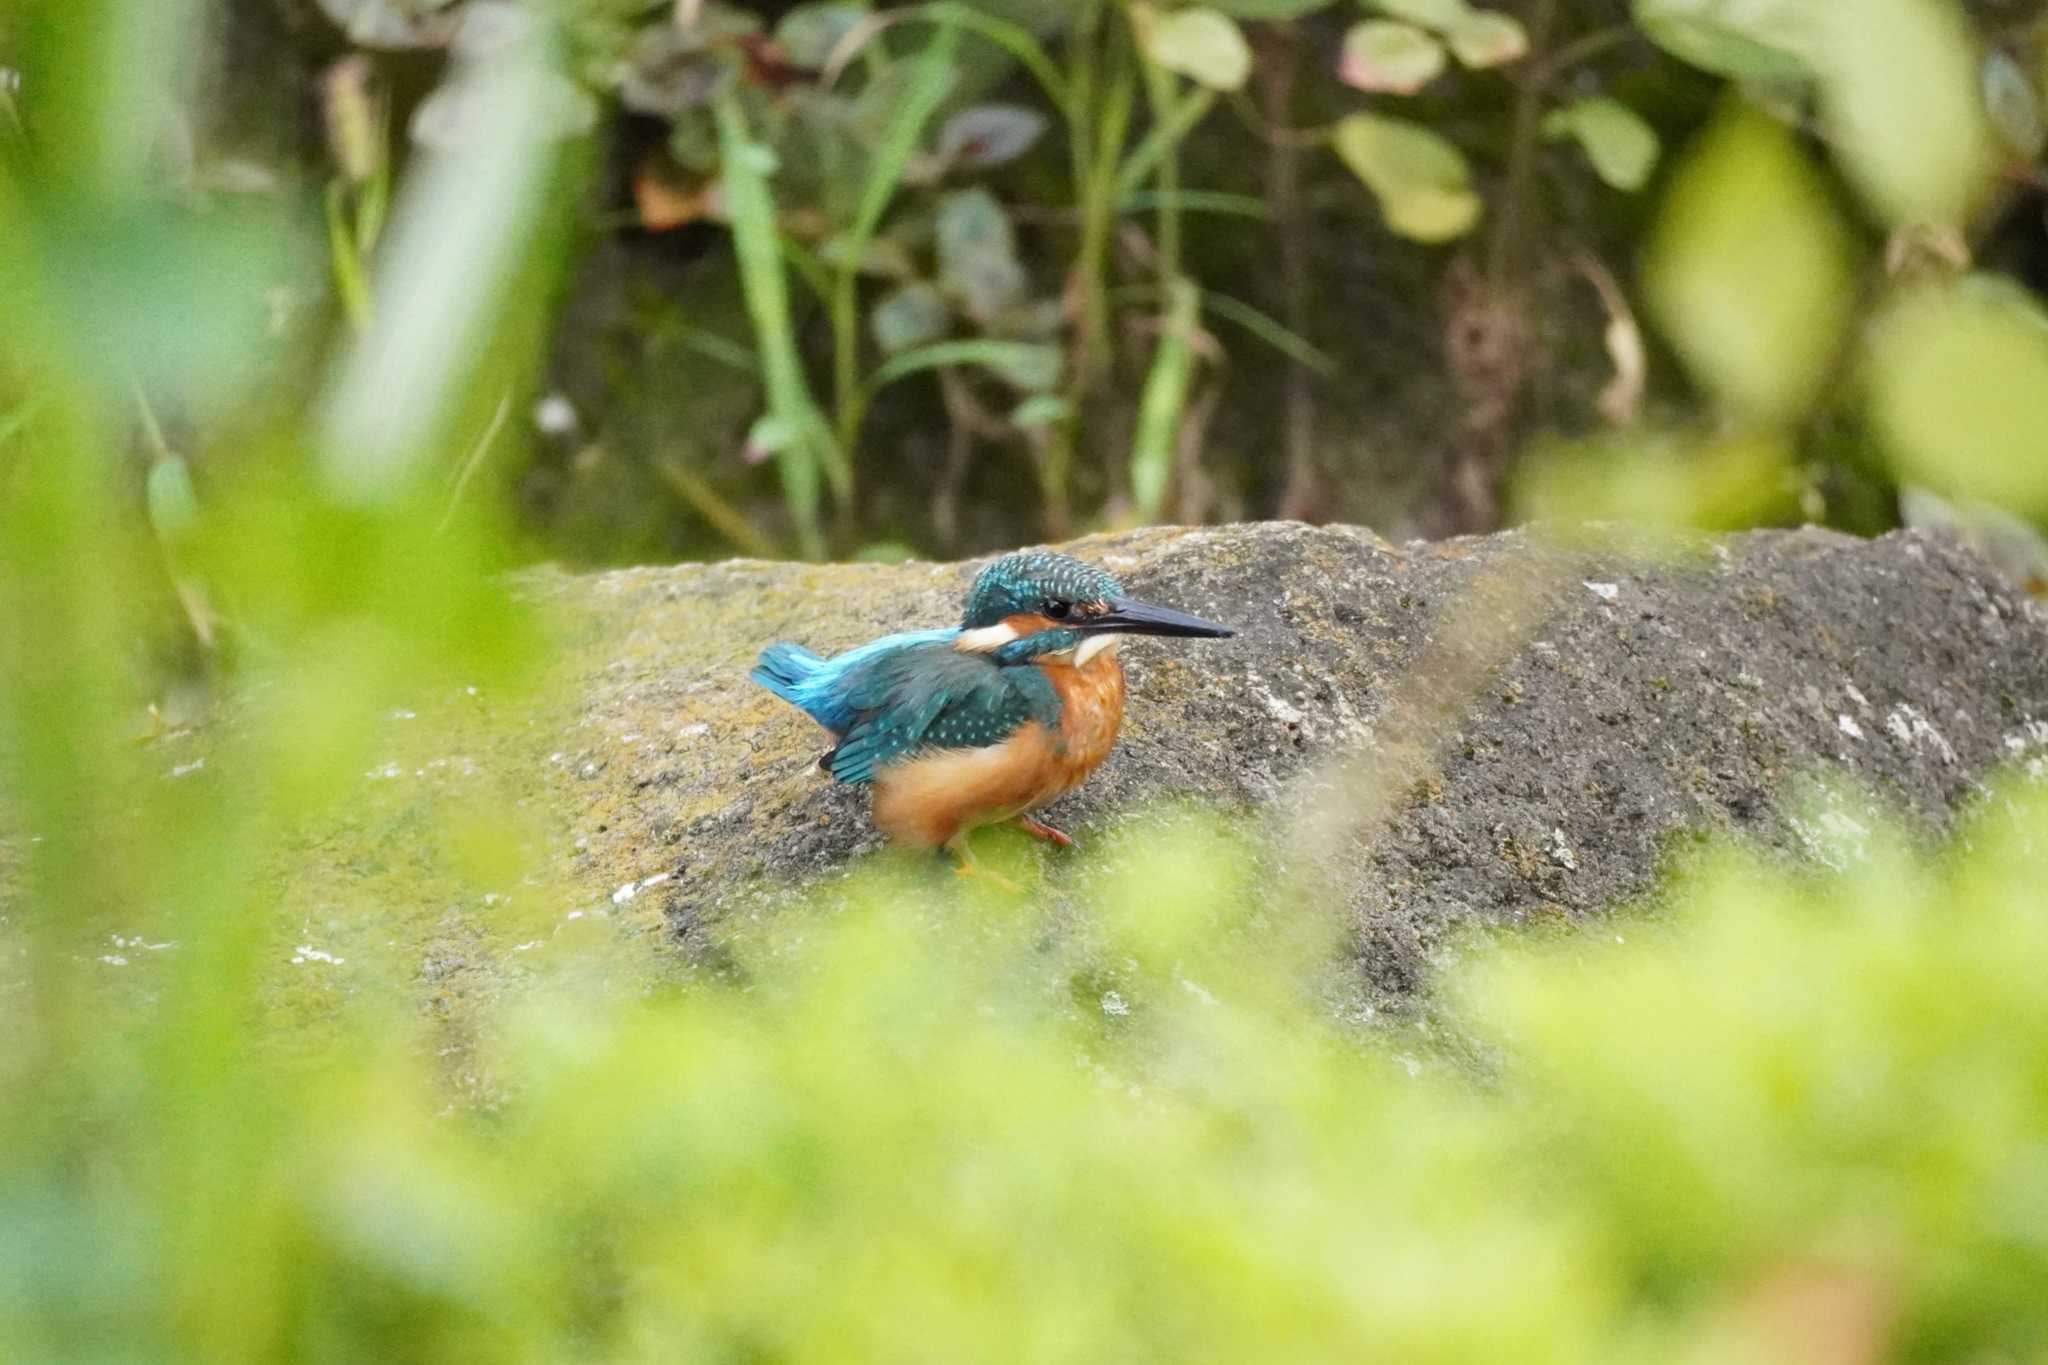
987	721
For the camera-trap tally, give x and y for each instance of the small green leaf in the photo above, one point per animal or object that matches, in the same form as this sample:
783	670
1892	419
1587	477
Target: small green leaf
668	71
1485	39
1041	410
1621	146
990	134
910	316
2014	105
1201	44
1385	54
1026	365
978	253
808	34
769	435
1421	180
1440	15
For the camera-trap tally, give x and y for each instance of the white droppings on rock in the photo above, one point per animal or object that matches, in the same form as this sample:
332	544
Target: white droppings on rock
1749	681
1114	1005
528	946
1281	710
306	952
186	769
385	773
1848	726
693	730
1561	852
632	889
1606	592
1909	727
402	714
1849	691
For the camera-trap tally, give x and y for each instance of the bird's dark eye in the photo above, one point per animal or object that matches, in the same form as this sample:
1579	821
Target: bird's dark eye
1056	608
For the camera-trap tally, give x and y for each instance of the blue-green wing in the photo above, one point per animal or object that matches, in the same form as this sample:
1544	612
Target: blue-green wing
936	697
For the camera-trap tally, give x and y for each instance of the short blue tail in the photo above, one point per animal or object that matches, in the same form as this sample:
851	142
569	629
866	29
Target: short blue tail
819	686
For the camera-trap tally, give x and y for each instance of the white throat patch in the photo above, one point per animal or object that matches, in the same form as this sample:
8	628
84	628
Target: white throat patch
1094	645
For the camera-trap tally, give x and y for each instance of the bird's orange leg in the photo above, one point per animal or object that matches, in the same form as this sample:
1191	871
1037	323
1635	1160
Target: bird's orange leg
1038	829
965	866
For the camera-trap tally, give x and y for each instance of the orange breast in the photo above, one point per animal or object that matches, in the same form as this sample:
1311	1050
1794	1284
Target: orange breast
1091	710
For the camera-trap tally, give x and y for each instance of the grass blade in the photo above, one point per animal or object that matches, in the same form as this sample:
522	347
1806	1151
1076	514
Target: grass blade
744	169
1166	395
928	86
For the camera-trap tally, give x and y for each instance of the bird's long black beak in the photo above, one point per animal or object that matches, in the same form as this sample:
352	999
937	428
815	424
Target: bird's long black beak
1142	618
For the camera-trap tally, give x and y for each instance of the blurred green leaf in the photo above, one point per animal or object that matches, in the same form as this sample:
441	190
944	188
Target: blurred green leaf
1421	180
1205	46
1383	54
1900	102
177	300
1748	268
1267	10
909	316
395	23
977	253
459	235
1621	146
1958	383
1920	159
1486	38
1745	39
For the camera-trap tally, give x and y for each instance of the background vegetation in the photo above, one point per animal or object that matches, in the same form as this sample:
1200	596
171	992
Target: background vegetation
317	317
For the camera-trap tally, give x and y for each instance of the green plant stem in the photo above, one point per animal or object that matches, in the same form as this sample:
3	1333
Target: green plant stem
1505	263
1159	94
703	499
1169	128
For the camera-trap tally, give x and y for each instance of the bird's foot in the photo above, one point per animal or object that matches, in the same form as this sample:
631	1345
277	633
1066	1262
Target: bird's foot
964	865
1038	829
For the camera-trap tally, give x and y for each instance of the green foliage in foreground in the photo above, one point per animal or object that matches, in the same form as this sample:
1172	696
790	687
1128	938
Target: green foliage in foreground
1790	1120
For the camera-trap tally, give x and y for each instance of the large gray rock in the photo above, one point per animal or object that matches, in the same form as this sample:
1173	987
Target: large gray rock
1531	726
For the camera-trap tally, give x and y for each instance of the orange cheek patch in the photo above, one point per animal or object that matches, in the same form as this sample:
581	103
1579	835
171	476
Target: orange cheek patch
1029	623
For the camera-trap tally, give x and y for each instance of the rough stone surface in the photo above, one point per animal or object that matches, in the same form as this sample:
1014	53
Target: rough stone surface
1657	696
